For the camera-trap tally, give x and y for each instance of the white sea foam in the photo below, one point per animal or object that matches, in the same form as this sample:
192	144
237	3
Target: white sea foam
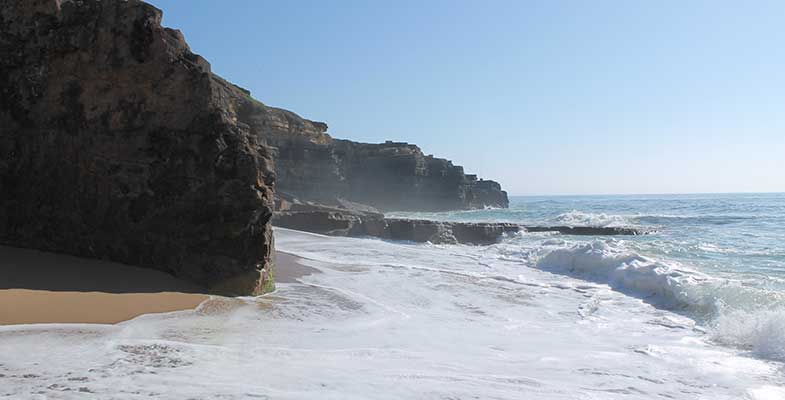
389	320
666	283
766	392
762	331
738	315
580	218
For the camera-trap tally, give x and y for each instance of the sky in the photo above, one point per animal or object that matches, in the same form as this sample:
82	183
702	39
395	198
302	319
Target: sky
546	97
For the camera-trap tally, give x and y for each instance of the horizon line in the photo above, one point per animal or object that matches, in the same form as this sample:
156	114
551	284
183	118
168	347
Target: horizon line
639	194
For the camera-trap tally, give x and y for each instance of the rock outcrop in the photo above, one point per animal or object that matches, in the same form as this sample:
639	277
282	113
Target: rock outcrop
388	176
337	222
347	219
117	142
342	218
476	233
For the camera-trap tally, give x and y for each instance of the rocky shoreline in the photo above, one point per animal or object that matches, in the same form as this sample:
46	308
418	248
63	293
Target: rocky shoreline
119	143
352	219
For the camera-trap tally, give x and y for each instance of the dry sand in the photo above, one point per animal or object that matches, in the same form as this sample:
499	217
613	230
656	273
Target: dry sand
39	287
22	306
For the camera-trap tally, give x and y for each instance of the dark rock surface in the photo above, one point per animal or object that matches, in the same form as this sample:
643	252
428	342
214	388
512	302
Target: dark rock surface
356	220
117	142
477	233
351	219
482	233
340	223
344	218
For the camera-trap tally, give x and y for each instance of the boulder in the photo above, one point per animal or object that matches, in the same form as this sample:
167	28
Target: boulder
344	218
117	142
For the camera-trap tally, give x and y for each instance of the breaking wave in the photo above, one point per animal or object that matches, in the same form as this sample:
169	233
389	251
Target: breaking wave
580	218
761	332
735	313
666	284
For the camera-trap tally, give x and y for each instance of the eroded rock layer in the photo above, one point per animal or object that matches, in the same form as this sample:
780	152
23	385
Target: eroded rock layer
117	142
312	165
351	219
341	222
389	176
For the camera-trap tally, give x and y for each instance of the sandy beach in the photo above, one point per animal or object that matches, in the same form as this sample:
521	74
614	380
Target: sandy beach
38	287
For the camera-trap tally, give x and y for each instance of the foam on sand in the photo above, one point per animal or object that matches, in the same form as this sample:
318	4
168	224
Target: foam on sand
388	320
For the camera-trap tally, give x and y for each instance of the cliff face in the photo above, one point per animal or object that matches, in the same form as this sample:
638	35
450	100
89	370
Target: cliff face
311	165
390	176
117	142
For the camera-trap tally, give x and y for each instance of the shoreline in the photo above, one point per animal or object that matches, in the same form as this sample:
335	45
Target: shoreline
293	268
49	288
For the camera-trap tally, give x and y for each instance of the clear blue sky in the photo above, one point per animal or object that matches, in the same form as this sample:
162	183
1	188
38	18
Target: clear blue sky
547	97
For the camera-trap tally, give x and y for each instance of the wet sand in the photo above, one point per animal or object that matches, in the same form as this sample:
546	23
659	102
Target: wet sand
39	287
289	268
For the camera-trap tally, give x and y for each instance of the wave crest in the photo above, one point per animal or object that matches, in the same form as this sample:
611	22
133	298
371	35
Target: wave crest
667	284
580	218
761	332
736	314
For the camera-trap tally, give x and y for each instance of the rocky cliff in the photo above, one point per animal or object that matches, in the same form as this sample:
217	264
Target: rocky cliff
388	176
117	142
312	165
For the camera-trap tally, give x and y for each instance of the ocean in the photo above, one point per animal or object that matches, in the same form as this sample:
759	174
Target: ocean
693	311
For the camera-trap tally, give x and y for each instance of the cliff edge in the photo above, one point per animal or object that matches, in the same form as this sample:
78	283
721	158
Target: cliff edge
313	166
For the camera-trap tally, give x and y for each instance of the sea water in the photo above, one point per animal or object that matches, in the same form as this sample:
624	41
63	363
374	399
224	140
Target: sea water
693	311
